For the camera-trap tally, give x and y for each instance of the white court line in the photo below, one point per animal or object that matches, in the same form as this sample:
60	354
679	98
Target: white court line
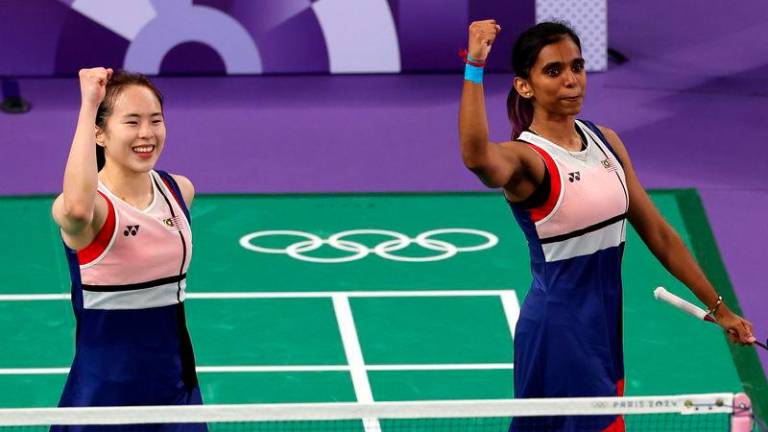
200	369
34	371
306	368
314	294
33	297
354	353
430	367
352	348
311	368
511	310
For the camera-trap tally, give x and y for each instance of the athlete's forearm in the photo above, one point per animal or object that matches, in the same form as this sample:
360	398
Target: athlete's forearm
473	125
670	250
81	174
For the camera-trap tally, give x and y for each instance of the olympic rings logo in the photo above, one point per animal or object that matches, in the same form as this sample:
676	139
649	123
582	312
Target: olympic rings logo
385	249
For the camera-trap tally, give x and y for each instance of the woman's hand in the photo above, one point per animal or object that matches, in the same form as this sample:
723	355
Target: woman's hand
481	37
737	328
93	85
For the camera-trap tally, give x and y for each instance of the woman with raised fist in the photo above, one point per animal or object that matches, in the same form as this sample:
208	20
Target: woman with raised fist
572	189
128	241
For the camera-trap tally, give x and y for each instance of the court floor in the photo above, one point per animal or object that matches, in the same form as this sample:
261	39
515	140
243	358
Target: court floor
318	298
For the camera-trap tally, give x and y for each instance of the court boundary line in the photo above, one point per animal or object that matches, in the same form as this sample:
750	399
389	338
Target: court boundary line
296	368
354	354
705	249
304	294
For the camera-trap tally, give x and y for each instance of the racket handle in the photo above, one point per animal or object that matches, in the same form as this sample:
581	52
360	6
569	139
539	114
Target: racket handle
662	294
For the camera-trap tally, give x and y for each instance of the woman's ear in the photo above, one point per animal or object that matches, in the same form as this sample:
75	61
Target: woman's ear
99	132
523	88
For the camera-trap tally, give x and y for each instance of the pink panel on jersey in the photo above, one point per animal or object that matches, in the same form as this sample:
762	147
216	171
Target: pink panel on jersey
593	186
147	244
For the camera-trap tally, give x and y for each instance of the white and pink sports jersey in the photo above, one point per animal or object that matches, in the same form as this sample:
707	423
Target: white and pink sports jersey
568	339
587	206
139	258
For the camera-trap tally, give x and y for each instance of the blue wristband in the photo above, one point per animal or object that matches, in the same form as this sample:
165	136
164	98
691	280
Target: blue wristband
473	74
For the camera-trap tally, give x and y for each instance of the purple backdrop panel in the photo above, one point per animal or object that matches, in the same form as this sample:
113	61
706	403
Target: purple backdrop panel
427	43
84	43
51	37
29	36
514	17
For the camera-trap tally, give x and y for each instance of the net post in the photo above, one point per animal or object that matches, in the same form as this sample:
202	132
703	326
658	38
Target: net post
741	419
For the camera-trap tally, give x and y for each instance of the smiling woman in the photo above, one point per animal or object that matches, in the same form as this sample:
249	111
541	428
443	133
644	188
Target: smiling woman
133	91
128	241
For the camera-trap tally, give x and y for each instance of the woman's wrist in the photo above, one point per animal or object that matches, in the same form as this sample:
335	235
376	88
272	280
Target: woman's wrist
471	60
473	69
719	311
88	109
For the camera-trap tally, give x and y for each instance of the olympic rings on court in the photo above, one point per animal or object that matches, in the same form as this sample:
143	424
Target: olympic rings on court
358	251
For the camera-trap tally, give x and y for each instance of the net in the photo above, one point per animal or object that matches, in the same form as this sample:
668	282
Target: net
706	412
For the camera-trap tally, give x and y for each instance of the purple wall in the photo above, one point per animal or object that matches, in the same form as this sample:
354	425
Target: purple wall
278	36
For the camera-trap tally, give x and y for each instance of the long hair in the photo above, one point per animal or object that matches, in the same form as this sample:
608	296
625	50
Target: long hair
119	82
524	54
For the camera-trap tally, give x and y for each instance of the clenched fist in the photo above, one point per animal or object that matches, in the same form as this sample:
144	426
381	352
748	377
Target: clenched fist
481	37
93	85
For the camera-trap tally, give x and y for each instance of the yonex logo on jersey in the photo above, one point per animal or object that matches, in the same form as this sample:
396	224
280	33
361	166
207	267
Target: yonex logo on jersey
574	176
131	230
168	222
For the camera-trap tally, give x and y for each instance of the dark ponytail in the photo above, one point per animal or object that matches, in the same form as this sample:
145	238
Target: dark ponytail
520	112
100	158
524	55
115	86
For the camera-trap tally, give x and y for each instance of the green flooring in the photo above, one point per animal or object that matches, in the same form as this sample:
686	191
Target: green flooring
666	352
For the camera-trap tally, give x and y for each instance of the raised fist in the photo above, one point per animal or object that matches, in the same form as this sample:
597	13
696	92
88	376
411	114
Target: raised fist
481	37
93	85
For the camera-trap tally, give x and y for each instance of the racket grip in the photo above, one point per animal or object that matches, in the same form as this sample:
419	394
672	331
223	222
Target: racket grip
662	294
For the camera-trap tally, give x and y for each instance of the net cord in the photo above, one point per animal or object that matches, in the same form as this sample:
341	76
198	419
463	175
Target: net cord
714	403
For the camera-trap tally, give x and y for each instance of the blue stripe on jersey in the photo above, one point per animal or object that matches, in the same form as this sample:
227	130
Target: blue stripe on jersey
74	275
602	137
523	217
176	190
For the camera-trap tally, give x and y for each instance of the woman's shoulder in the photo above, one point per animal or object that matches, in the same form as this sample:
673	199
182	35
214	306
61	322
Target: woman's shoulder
615	143
185	186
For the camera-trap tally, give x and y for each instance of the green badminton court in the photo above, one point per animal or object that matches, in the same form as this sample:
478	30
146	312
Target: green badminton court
374	297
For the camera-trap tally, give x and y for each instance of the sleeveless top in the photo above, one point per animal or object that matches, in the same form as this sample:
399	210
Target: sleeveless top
128	287
568	340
